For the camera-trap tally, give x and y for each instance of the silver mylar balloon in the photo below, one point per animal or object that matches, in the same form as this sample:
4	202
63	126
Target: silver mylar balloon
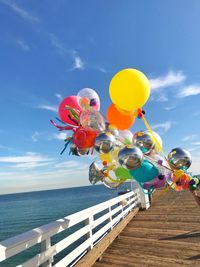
180	158
95	174
130	158
78	151
113	131
105	142
144	141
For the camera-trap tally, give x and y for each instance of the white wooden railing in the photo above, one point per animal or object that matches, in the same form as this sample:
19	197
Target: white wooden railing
95	226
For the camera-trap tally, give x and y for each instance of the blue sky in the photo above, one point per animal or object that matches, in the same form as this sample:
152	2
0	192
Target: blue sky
52	49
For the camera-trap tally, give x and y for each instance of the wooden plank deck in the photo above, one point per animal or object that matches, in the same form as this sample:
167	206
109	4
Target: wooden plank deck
168	234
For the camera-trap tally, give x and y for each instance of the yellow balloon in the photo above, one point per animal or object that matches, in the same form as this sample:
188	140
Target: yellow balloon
129	89
107	157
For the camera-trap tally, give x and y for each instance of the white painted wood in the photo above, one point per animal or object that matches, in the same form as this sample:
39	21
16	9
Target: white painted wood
145	202
55	249
44	233
90	222
73	255
45	245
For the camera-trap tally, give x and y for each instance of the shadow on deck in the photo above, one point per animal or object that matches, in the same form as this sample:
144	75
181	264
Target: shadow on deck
168	234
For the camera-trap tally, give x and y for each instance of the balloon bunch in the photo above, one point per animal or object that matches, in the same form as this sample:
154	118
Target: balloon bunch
122	155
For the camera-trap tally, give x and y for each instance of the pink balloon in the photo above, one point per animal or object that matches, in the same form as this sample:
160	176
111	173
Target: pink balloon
64	114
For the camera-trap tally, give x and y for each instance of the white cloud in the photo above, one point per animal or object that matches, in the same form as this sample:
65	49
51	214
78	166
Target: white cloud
190	90
29	157
170	107
165	126
59	136
20	11
36	136
5	147
170	79
78	63
101	69
59	96
57	44
23	45
49	107
196	143
64	51
195	167
162	98
31	165
189	137
68	164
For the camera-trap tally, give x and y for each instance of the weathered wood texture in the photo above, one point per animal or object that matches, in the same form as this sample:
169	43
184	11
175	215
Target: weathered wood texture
96	253
168	234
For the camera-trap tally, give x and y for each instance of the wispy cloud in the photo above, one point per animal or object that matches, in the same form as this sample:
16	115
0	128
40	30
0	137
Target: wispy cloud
170	107
59	97
196	143
57	44
29	157
23	45
78	63
59	136
5	147
165	126
29	160
31	165
195	167
49	107
189	137
160	85
64	51
170	79
20	11
36	135
101	69
190	90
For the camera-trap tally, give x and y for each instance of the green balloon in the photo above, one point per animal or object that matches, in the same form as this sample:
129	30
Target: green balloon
192	187
123	174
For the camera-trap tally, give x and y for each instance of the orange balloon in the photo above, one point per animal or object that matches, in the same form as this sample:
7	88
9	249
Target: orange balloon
122	120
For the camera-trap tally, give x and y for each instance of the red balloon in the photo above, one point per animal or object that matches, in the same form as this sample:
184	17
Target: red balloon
64	114
84	138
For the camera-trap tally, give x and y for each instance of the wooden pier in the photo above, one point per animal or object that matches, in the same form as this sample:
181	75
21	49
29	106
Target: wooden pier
167	234
123	231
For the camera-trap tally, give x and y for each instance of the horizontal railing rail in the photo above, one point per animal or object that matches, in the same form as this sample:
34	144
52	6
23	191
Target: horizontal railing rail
114	210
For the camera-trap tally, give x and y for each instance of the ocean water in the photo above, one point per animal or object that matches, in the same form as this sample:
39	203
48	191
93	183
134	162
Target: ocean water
24	211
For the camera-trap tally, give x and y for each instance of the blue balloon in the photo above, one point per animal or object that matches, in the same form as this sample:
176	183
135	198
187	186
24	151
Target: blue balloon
146	172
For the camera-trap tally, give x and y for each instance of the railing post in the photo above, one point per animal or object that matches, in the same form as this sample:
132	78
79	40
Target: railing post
46	244
145	203
90	221
110	218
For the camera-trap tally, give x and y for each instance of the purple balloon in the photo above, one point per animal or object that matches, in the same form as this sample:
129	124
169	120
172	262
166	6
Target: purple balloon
155	183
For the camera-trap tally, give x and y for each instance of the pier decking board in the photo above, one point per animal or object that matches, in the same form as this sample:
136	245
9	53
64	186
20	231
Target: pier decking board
167	234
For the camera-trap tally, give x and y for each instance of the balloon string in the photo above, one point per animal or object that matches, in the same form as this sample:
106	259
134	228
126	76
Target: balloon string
62	128
155	139
176	178
66	145
75	113
62	121
74	116
67	124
